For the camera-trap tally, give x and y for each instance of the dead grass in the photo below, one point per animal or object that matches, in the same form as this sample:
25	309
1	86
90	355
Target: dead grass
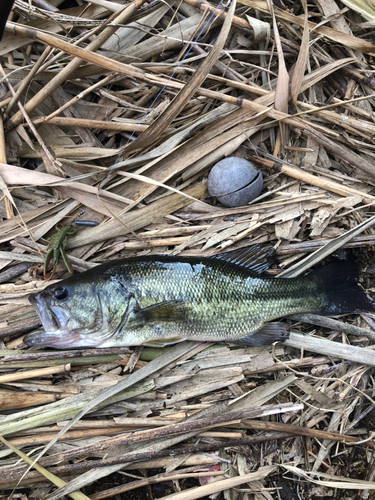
120	110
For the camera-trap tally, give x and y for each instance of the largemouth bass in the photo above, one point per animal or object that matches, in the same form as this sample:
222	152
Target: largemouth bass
158	300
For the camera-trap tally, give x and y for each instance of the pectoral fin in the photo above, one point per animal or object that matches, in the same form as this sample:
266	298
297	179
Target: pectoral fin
266	335
172	310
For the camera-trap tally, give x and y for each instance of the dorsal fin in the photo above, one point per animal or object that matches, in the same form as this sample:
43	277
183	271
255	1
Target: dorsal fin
258	258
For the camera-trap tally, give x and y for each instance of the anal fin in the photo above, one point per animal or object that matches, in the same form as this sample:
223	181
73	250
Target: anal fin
265	336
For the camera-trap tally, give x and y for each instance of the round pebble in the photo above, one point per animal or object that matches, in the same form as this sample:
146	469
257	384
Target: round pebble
234	182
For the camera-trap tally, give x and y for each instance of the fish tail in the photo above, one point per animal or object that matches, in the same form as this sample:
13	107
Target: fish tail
338	286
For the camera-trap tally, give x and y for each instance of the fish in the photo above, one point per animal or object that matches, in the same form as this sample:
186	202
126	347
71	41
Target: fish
159	300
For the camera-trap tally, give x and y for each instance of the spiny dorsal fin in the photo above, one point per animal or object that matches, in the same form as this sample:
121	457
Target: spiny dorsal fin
257	258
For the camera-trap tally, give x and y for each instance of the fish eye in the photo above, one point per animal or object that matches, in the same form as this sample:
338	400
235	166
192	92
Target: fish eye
61	293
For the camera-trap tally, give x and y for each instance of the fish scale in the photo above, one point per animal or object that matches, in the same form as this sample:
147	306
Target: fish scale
157	300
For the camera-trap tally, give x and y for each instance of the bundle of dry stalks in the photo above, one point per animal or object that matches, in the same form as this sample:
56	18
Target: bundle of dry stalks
120	109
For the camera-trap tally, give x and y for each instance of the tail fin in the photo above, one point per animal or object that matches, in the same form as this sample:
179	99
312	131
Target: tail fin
337	283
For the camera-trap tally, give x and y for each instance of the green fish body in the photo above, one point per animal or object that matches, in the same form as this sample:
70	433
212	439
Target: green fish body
159	300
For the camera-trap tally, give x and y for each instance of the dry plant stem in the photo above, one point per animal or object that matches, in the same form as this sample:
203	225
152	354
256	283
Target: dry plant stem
3	158
282	86
26	81
303	57
34	477
305	264
313	245
168	430
16	270
39	439
294	364
219	66
330	33
21	327
303	431
58	409
63	75
282	431
127	70
314	180
79	54
112	6
349	71
329	348
200	461
45	5
47	152
160	444
254	106
14	357
77	495
78	97
183	97
333	324
352	124
163	443
342	152
281	14
143	456
139	218
155	365
166	476
64	121
12	377
92	358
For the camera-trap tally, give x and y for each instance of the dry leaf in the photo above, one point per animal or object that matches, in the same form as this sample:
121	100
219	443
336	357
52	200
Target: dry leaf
303	56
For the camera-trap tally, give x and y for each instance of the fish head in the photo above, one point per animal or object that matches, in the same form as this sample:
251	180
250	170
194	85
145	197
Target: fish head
76	313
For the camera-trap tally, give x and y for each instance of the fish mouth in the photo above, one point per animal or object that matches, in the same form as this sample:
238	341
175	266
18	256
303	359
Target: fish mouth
53	320
57	339
45	314
56	332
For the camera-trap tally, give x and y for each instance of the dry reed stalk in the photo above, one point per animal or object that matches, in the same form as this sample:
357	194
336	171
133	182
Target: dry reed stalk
86	77
75	63
96	124
34	373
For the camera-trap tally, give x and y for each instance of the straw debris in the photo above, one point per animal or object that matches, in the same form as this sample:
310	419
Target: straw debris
121	109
